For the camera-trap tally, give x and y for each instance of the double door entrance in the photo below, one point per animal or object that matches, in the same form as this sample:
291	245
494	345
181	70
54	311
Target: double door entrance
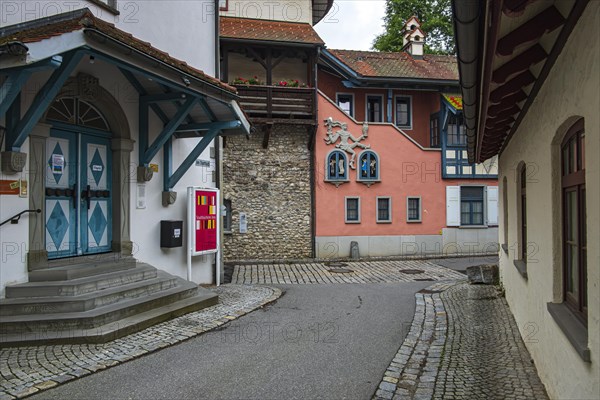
78	193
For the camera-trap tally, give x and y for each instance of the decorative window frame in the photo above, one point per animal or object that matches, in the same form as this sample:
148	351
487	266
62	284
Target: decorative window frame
383	221
420	219
352	102
408	127
382	97
346	210
368	181
337	181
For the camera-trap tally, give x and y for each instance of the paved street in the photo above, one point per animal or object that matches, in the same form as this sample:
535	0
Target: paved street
317	341
402	340
361	272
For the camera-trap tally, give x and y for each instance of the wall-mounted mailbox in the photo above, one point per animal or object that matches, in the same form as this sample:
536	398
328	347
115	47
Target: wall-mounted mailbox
171	234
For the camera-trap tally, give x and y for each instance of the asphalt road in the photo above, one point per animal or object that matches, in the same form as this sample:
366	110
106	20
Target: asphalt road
317	341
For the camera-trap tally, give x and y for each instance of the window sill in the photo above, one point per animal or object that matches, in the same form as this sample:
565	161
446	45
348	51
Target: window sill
384	222
368	182
227	232
473	227
415	221
337	183
352	222
505	248
572	327
105	6
521	266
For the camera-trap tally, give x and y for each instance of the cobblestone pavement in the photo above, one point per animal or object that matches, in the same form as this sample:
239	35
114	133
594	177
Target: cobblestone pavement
27	370
463	344
361	272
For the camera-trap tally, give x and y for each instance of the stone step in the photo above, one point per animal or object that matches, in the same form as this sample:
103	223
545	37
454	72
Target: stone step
79	286
98	316
113	330
88	301
76	268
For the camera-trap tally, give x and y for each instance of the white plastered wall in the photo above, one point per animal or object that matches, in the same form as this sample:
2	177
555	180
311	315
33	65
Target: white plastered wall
571	90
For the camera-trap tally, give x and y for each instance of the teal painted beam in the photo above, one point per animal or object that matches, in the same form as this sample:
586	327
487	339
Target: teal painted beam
209	126
43	99
167	163
11	88
191	159
143	136
208	110
169	129
142	92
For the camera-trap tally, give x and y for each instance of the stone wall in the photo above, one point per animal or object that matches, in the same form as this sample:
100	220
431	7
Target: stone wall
272	186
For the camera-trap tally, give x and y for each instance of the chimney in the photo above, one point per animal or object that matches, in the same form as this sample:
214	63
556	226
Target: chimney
413	38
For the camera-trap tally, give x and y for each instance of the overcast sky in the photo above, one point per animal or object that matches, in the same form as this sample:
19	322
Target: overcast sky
352	24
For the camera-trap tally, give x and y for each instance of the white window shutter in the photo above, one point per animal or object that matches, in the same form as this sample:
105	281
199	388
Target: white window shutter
492	205
453	205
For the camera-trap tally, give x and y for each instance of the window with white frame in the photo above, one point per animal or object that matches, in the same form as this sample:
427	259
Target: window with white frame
403	112
471	205
346	102
413	209
337	166
384	209
352	210
368	163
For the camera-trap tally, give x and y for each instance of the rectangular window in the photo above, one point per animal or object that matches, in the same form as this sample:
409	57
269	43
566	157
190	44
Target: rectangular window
352	210
384	209
346	103
403	112
413	209
471	205
375	108
457	135
227	216
434	130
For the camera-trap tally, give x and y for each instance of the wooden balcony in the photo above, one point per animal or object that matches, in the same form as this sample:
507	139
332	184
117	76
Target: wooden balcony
276	104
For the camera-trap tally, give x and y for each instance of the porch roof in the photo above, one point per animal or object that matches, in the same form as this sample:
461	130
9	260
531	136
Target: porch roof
269	31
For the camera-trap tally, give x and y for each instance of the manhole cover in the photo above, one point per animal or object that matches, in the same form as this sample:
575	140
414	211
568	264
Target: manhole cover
412	271
340	270
424	279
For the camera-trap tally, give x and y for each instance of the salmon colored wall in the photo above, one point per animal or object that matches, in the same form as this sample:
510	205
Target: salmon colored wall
423	104
405	170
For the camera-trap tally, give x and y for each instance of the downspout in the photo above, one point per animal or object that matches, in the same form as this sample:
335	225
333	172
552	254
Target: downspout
312	159
218	143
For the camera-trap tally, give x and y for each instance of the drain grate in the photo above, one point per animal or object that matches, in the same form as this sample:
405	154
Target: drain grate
412	271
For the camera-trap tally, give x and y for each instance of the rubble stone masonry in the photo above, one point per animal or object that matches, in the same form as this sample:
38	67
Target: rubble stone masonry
272	186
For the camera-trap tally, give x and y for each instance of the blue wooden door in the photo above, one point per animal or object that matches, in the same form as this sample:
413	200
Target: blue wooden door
78	194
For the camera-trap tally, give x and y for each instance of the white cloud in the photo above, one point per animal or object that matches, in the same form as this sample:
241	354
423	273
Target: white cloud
352	24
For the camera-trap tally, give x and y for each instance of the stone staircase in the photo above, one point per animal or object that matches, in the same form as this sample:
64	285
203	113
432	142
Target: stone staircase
94	301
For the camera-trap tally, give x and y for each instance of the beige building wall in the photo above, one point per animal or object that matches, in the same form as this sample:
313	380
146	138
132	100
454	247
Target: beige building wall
571	90
282	10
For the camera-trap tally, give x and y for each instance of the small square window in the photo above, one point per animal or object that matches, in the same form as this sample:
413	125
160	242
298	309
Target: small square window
353	210
384	209
413	209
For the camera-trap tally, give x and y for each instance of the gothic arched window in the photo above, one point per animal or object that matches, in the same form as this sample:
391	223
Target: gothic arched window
337	166
368	166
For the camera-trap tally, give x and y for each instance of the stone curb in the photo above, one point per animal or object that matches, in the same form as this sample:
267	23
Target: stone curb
413	370
19	381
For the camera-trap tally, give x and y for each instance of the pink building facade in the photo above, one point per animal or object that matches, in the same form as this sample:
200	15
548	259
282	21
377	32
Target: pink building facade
390	168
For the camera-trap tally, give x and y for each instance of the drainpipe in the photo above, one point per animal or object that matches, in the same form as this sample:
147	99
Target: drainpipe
390	99
313	216
218	145
217	41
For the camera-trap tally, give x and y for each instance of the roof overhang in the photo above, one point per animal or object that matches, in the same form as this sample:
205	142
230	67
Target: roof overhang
320	8
356	80
506	50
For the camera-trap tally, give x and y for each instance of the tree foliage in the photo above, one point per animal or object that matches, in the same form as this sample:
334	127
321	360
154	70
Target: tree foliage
436	22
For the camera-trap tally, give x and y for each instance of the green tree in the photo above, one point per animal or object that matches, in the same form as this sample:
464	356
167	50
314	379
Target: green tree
436	22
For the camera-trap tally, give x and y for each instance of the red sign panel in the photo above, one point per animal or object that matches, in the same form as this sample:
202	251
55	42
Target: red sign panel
205	220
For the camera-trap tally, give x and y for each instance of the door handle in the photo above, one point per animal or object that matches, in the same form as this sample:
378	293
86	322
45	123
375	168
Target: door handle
87	195
73	194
